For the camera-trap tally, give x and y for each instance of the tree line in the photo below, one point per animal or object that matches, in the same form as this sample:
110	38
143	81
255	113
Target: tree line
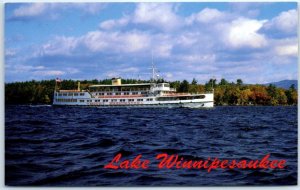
225	93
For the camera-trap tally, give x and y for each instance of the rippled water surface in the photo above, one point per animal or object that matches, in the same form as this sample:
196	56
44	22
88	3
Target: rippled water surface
68	146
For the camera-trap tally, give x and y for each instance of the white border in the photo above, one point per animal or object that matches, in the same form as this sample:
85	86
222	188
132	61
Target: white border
2	101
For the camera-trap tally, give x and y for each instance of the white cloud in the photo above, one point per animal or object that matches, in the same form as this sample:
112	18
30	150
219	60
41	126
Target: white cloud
287	50
243	32
134	41
130	70
60	45
10	52
207	15
157	14
96	40
52	10
34	9
286	22
99	41
203	44
197	58
18	69
111	24
127	42
187	39
163	50
49	73
90	8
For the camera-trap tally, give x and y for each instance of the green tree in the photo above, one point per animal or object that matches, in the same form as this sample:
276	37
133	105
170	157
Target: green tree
194	82
239	82
273	94
184	86
223	82
210	85
292	96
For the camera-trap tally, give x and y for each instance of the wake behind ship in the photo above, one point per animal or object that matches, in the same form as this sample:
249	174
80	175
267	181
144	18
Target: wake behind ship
132	95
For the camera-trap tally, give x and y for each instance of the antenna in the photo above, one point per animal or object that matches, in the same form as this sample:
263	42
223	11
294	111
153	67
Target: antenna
153	69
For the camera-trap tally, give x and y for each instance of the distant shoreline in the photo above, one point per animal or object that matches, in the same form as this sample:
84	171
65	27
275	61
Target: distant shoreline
225	92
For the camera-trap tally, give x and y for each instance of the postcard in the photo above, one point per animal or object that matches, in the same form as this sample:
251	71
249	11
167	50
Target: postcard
151	94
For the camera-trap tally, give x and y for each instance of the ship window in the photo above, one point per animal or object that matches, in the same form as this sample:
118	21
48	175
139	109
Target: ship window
140	100
109	93
126	93
149	99
166	85
64	94
114	100
117	93
130	100
81	94
169	98
134	93
75	94
81	100
199	97
122	100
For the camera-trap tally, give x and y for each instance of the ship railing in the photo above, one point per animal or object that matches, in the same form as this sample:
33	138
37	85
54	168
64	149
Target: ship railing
112	90
121	96
206	92
176	94
69	91
185	94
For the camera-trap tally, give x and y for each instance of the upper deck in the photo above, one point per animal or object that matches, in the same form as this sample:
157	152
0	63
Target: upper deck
116	86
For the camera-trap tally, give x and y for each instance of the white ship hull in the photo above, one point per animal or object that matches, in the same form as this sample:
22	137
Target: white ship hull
132	95
87	100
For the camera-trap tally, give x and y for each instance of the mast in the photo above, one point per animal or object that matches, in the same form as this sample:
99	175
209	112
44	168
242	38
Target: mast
153	69
154	72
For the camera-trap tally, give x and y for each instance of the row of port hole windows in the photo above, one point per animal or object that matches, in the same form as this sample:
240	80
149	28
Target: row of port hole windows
70	94
119	93
111	100
108	93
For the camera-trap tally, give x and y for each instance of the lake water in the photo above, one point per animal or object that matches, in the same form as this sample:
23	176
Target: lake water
69	146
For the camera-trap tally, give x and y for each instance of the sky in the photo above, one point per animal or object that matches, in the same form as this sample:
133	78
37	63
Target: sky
255	42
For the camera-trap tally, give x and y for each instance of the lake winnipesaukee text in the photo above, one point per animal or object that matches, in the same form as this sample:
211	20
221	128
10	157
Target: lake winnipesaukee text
175	161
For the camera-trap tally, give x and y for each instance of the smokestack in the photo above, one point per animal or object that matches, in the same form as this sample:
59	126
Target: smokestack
116	81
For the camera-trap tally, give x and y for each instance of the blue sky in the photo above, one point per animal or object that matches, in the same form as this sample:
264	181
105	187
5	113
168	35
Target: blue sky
256	42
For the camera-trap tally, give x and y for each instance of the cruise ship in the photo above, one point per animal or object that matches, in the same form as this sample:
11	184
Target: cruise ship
153	94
